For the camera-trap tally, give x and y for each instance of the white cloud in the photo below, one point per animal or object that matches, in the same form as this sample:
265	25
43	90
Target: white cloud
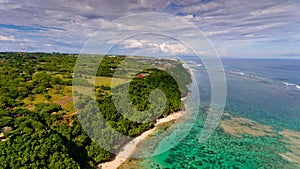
132	43
156	45
7	38
173	48
188	16
222	22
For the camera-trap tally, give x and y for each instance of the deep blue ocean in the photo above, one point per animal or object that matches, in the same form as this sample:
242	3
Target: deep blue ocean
266	91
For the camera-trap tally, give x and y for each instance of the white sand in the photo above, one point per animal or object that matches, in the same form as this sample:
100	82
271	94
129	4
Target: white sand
191	71
130	147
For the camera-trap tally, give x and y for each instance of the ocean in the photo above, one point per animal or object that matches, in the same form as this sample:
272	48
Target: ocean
260	126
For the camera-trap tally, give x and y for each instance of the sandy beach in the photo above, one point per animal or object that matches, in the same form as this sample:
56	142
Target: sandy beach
130	147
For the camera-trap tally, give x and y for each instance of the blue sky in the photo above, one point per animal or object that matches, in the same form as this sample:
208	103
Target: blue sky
237	28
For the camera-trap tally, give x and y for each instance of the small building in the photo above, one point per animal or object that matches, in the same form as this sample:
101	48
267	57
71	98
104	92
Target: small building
168	64
6	129
142	75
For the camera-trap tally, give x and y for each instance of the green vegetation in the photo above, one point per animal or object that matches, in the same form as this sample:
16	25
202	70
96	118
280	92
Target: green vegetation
38	120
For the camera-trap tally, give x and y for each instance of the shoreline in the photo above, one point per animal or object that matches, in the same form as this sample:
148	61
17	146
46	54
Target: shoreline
130	147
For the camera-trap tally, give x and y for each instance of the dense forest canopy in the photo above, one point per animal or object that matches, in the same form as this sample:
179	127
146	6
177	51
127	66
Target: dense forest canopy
38	122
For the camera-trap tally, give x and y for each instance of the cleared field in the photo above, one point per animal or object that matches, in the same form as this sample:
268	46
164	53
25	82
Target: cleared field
63	97
107	81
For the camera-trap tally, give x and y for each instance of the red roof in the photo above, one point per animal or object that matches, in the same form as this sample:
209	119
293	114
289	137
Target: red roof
140	76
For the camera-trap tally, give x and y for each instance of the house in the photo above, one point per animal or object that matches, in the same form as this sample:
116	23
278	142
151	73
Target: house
142	75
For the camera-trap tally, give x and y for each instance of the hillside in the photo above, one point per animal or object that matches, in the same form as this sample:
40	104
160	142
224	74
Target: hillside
38	120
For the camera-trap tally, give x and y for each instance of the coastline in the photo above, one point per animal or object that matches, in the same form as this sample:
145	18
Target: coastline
129	148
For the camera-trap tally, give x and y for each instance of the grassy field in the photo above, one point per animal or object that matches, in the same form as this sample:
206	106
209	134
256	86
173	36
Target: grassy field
106	81
64	96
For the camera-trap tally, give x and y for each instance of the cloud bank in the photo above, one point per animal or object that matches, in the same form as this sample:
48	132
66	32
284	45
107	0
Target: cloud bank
238	28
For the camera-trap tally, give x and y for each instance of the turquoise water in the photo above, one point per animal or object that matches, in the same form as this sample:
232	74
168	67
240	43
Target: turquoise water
264	91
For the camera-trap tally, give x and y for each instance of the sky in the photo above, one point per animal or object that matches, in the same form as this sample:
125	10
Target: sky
236	28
